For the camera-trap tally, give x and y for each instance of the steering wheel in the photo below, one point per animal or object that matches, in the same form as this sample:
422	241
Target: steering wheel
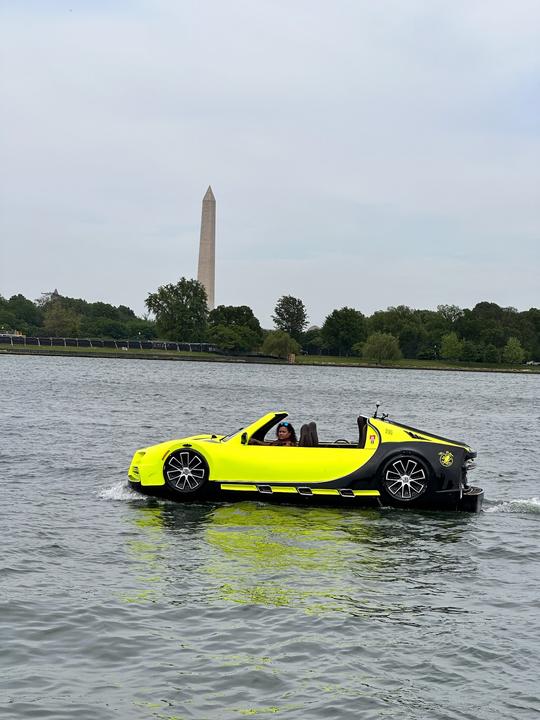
341	441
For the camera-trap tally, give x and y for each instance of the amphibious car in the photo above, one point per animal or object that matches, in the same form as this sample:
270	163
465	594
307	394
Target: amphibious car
388	464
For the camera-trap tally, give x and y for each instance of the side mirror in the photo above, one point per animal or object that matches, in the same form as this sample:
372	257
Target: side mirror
243	439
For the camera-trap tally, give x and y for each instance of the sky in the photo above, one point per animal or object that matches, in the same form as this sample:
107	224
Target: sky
362	154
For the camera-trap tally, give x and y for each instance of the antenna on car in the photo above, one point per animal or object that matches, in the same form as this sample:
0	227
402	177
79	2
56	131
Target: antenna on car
377	405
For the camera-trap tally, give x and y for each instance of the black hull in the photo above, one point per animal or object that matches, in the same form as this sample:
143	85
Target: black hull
470	501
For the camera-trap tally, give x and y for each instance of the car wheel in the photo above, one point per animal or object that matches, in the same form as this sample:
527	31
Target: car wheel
185	471
405	479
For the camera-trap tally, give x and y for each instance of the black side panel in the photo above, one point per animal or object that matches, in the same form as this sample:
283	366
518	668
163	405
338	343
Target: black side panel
446	477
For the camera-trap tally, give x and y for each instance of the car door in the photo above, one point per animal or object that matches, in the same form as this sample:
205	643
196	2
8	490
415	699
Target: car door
278	464
274	464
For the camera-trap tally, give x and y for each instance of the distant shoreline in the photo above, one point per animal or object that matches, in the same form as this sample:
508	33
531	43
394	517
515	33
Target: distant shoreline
232	359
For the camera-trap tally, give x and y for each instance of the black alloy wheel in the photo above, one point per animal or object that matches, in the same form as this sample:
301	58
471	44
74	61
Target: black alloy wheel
185	471
405	479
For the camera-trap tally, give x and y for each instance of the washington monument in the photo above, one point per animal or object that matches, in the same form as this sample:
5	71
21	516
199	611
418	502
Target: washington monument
207	247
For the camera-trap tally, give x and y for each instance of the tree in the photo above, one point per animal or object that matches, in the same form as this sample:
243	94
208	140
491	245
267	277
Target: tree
224	336
125	313
312	341
8	321
240	318
411	338
491	354
102	310
234	328
138	329
381	346
236	338
234	315
470	352
290	316
451	347
181	310
513	352
342	329
450	313
392	320
434	326
60	321
280	344
486	323
428	351
403	323
530	334
111	329
24	310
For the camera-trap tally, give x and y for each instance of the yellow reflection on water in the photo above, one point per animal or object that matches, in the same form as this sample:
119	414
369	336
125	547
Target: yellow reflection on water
147	552
286	556
256	554
315	559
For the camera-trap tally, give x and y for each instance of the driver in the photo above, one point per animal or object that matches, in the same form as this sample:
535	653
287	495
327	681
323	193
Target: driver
285	436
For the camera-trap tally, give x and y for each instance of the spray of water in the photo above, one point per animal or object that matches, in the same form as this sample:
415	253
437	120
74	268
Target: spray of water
527	505
120	491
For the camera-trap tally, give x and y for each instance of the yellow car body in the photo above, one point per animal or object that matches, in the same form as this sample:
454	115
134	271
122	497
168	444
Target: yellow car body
389	464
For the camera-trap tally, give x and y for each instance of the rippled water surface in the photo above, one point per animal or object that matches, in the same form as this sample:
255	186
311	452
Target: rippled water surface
115	606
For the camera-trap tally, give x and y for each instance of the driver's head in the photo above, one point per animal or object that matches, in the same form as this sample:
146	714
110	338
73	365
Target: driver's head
285	431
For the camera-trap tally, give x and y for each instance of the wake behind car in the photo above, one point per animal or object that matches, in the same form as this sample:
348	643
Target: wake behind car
388	463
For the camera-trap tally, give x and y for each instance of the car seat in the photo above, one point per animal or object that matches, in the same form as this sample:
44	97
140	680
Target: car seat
308	435
362	431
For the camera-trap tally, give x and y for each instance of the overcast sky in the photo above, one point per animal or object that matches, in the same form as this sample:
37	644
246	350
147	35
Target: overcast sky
361	153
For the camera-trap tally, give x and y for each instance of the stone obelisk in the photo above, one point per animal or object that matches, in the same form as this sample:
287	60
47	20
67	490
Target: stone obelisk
207	247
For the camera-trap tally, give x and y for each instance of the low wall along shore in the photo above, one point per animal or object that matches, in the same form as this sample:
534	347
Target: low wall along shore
24	340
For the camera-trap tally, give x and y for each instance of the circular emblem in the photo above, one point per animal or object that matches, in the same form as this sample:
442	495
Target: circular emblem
446	458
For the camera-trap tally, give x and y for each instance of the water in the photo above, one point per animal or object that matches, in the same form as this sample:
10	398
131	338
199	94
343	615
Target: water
117	606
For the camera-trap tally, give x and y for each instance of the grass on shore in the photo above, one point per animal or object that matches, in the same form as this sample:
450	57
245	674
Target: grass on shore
300	359
413	364
103	351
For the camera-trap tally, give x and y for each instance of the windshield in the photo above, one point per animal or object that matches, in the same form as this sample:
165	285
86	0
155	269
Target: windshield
231	435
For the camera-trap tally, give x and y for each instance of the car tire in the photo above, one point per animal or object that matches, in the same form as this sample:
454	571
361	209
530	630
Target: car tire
405	480
185	471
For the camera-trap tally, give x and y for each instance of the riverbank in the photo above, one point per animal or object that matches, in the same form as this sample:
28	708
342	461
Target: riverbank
173	355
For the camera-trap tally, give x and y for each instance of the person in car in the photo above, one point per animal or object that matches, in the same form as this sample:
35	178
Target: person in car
286	435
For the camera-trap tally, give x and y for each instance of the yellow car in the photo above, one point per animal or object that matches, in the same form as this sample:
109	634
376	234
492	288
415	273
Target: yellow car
388	464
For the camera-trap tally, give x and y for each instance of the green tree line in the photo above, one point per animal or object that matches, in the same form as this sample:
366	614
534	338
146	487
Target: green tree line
486	333
56	316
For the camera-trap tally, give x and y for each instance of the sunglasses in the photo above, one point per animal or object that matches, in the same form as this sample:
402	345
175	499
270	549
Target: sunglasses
285	424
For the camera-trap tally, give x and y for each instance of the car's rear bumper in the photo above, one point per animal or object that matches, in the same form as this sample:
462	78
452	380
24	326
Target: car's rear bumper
471	499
